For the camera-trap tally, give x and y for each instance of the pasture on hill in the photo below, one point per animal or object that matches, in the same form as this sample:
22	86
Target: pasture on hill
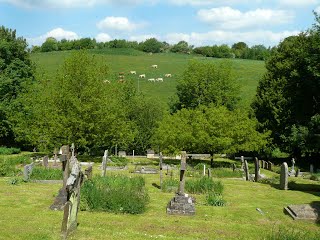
247	72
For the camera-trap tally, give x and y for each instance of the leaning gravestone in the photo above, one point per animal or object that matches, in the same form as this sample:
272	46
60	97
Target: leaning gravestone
246	170
73	185
61	199
256	170
209	173
160	168
88	172
304	211
181	204
27	171
284	176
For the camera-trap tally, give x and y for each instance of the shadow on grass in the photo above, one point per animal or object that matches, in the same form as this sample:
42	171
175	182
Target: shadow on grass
156	185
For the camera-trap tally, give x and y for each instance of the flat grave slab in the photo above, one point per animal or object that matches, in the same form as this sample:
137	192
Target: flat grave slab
304	211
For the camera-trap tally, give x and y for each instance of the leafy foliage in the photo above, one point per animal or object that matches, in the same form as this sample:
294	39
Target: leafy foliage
8	151
215	199
118	194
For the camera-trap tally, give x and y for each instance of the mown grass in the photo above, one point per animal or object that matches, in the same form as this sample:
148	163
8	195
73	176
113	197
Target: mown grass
238	219
246	72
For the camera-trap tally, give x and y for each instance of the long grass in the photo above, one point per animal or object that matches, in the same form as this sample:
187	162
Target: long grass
8	151
41	173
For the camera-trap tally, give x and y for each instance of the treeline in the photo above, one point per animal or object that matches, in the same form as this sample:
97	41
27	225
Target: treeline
152	45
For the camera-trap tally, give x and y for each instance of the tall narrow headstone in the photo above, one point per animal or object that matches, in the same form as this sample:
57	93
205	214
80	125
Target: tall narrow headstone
263	164
284	176
183	168
256	170
160	167
311	168
234	166
246	170
204	169
104	163
297	173
45	161
267	165
27	171
242	162
270	166
209	173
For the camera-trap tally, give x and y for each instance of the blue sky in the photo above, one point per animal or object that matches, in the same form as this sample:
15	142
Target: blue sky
199	22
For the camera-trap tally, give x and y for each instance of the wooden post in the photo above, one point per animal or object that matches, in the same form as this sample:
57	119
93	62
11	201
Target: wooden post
182	171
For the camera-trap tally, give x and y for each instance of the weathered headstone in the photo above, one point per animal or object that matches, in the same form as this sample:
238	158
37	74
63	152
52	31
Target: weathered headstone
246	170
284	176
270	166
204	169
263	164
242	162
267	165
88	172
27	171
234	167
55	156
297	173
104	163
311	168
181	204
122	154
256	170
160	168
45	161
73	185
209	173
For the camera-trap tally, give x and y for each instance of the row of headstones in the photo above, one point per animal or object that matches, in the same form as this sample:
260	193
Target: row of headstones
257	163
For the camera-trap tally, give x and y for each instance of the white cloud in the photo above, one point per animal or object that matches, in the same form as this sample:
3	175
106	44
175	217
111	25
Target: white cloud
118	24
211	2
103	37
317	9
267	38
57	33
229	18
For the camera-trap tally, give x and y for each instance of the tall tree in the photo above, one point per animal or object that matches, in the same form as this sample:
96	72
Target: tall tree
288	95
206	83
16	72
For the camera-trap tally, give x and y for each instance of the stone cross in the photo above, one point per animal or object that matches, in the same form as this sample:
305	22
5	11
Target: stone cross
104	163
246	169
284	176
72	149
256	170
160	167
182	171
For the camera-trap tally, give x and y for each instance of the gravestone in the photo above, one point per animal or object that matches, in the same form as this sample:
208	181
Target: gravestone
270	166
73	185
204	169
104	163
246	170
209	173
242	162
27	171
304	211
234	167
284	176
267	165
88	172
297	173
45	161
160	168
122	154
256	170
55	156
292	171
311	168
263	164
61	199
181	204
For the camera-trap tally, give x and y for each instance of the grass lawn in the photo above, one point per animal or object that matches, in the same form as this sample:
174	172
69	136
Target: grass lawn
25	213
246	72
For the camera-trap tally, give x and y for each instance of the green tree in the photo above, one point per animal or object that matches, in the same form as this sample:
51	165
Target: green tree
16	72
288	95
151	45
206	83
49	45
209	129
181	47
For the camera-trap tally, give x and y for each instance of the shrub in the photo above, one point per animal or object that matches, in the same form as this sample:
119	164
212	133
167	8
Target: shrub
226	173
41	173
170	185
9	151
215	199
7	169
118	194
203	185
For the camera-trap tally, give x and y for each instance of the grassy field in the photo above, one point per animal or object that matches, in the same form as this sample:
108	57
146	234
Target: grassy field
246	72
25	213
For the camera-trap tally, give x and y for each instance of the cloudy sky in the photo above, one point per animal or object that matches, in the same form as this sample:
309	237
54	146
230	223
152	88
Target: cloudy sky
199	22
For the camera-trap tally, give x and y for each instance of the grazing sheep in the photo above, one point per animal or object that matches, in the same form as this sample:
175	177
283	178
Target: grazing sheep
106	81
133	72
168	75
151	80
154	66
159	79
142	76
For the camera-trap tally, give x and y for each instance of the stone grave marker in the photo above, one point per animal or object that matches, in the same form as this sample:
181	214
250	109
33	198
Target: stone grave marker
311	168
27	171
246	170
267	165
304	211
104	163
73	185
204	169
284	176
45	161
256	170
297	173
234	167
122	154
181	204
88	172
242	162
263	164
270	166
209	173
55	156
292	171
61	199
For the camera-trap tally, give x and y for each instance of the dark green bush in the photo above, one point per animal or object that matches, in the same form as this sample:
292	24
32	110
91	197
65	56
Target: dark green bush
215	199
315	177
9	151
118	194
41	173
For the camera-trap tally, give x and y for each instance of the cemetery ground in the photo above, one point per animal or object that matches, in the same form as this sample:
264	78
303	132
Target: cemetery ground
25	212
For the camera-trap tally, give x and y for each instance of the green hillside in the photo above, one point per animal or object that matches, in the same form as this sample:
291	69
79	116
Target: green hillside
247	72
